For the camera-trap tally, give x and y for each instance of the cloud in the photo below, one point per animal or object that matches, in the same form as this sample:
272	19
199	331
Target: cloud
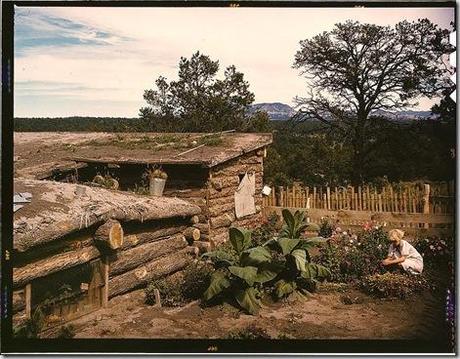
108	56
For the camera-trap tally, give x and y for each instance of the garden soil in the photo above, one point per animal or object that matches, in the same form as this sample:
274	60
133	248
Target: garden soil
325	315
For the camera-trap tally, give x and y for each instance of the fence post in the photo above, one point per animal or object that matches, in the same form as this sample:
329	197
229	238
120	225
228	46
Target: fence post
426	202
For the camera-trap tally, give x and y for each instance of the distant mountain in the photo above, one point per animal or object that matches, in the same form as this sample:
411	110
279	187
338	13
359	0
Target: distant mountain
408	115
281	111
275	110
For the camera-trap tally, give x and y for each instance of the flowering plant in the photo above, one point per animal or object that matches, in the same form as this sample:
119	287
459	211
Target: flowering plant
435	250
351	256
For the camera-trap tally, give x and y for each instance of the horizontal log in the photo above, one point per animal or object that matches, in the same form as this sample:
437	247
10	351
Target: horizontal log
59	262
222	200
203	247
252	221
237	170
203	227
192	234
224	181
214	193
155	269
218	210
253	160
200	202
155	235
224	220
131	258
72	243
194	220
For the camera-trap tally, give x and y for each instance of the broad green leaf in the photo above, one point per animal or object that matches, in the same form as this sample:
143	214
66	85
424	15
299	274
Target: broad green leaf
219	282
268	271
248	273
288	218
287	244
283	288
240	239
310	242
300	259
248	300
255	256
220	256
315	271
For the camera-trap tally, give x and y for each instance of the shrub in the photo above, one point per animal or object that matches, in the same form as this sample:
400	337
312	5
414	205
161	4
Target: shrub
393	285
181	287
326	228
266	231
170	289
434	250
350	257
197	277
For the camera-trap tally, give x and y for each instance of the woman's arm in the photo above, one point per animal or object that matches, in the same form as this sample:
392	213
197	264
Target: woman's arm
396	260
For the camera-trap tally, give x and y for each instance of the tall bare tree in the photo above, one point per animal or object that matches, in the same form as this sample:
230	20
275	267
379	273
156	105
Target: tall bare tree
358	71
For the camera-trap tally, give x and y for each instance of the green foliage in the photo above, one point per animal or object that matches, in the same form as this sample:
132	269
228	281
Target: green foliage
170	291
241	271
393	285
435	251
344	64
181	288
266	231
295	224
351	257
197	101
326	228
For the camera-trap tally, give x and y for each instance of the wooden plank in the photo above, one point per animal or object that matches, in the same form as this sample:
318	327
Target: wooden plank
28	300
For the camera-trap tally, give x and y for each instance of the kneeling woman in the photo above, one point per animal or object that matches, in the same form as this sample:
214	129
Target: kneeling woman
403	254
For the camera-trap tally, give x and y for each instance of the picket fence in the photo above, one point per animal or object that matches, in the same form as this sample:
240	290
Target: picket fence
426	207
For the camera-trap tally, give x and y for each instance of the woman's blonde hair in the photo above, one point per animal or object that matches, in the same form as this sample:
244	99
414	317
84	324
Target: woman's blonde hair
396	234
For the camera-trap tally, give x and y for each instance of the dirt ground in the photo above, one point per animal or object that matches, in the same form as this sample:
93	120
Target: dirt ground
323	316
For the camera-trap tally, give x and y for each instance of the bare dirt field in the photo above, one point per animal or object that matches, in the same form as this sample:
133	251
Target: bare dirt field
323	316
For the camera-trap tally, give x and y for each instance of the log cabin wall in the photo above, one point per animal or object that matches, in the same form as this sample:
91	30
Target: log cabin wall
223	182
148	251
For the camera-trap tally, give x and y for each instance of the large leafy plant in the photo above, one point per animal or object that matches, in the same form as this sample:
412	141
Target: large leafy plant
240	274
299	273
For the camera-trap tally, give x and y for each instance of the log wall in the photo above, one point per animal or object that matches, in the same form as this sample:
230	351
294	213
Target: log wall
222	185
150	250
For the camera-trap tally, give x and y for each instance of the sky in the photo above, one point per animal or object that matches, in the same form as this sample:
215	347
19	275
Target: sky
97	61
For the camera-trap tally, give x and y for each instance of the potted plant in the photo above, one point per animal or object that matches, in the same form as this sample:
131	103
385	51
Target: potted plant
157	181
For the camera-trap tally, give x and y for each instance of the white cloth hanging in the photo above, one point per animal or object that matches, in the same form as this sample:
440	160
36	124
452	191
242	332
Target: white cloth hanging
244	196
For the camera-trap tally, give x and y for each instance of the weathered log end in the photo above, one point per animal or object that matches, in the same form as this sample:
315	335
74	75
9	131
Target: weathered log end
110	234
192	234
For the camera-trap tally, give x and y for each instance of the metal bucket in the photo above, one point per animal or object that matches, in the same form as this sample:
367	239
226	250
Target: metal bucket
156	187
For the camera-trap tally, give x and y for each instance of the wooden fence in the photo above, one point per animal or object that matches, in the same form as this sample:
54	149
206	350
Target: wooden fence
435	198
418	208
